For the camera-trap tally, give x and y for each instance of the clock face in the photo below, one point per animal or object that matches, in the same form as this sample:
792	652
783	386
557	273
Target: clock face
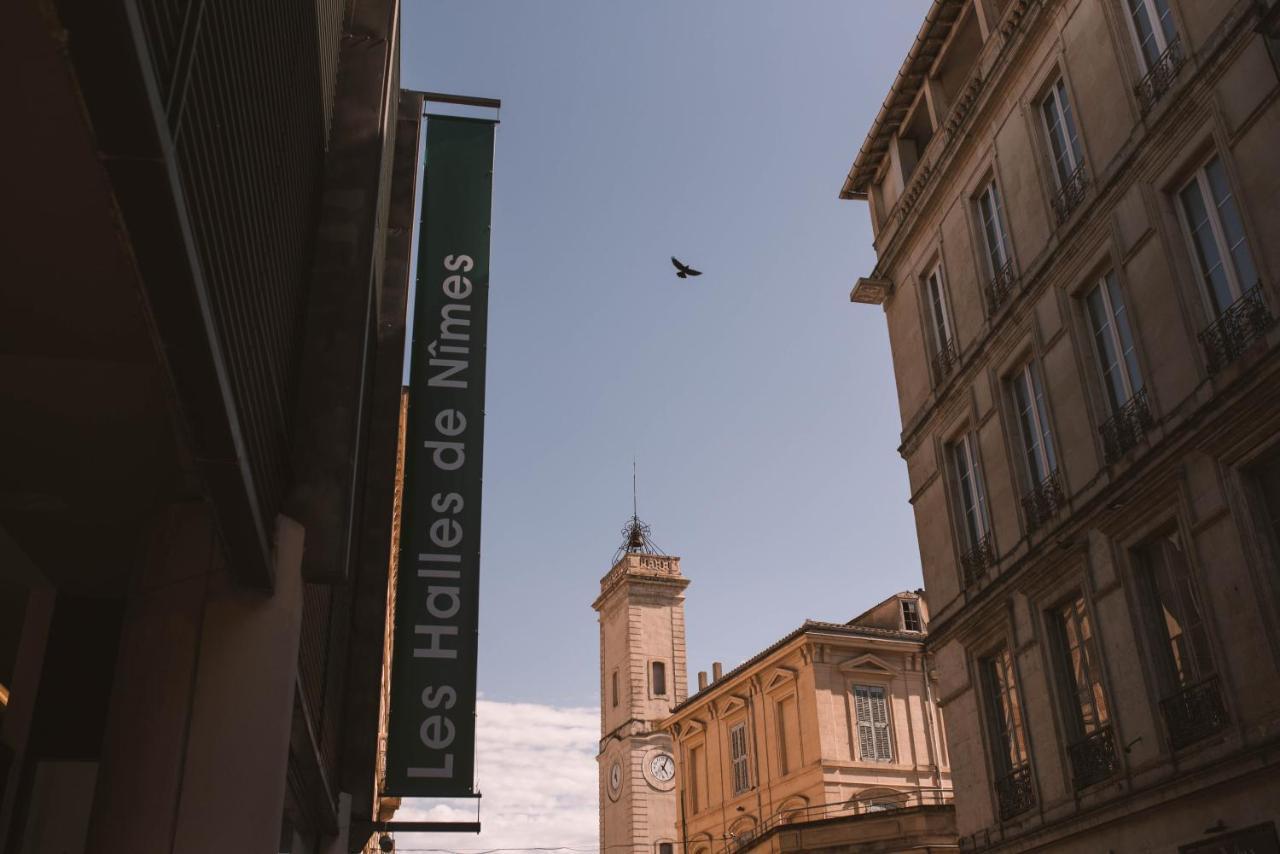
663	767
615	777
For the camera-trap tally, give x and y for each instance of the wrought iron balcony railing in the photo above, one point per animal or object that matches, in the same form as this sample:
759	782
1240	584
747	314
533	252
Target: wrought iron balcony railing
1240	324
1000	286
944	360
1164	71
975	561
1070	194
1126	428
1043	502
1194	713
1093	758
1014	793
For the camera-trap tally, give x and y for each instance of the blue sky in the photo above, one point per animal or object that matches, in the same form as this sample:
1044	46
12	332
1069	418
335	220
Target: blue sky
758	402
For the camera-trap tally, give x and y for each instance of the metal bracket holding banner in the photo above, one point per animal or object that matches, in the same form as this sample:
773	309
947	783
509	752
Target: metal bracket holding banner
460	100
431	719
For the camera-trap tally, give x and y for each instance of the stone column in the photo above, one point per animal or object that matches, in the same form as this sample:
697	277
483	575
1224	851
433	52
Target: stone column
233	781
197	739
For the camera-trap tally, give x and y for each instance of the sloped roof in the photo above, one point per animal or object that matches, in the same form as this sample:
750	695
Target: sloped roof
933	33
844	629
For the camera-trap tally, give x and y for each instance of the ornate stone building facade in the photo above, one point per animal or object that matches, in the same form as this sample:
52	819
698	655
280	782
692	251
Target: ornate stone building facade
1076	207
829	741
642	677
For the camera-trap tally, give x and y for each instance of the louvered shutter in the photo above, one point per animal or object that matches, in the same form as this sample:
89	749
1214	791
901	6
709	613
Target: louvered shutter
880	724
738	754
862	711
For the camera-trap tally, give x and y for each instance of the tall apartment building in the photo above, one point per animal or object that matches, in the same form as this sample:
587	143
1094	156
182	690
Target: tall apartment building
1076	209
828	741
207	209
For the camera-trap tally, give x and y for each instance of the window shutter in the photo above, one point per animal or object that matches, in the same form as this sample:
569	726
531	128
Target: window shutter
880	722
862	710
738	756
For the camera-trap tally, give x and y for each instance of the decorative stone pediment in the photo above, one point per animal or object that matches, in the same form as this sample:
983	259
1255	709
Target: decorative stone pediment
869	665
729	705
778	677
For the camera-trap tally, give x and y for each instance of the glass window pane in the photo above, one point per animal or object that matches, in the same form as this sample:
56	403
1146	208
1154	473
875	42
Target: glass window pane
937	311
1105	343
1121	318
1178	615
1069	124
1166	21
1006	716
1057	140
1080	670
1046	436
1232	227
1206	247
989	209
1147	41
1026	420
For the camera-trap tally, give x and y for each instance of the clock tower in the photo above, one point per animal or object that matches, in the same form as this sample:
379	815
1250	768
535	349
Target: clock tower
642	678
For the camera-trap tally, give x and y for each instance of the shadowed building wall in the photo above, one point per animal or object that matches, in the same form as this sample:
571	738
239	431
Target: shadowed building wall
1076	208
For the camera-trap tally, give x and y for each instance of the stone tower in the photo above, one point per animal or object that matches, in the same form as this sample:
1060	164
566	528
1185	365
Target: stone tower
642	678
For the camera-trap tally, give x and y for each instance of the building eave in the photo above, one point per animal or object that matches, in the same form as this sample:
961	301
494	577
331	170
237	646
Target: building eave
810	629
941	16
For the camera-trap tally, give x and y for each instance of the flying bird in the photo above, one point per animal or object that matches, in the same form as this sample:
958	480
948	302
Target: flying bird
685	271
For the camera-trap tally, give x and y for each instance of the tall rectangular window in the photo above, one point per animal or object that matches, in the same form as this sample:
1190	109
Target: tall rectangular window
1005	712
1191	698
939	324
1175	616
1060	127
1113	342
1033	421
697	780
911	621
871	709
739	757
613	679
1014	791
993	232
1078	666
1152	27
788	736
1216	234
659	679
972	493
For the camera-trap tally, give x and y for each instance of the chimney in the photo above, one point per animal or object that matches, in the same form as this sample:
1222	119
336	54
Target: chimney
717	670
702	680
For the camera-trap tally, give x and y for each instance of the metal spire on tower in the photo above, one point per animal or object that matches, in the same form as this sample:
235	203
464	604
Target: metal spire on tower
635	533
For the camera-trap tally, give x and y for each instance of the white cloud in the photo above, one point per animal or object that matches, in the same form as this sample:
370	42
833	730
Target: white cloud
537	770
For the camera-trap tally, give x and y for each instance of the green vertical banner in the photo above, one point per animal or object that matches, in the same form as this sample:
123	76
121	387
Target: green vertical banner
432	723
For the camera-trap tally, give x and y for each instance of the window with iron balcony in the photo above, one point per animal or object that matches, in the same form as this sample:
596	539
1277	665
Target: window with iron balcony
971	497
1191	698
1015	792
1064	149
1091	746
1117	359
1159	49
995	240
1229	281
1042	501
941	339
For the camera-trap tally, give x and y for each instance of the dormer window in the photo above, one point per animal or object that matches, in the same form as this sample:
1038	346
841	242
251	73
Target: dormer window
911	621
